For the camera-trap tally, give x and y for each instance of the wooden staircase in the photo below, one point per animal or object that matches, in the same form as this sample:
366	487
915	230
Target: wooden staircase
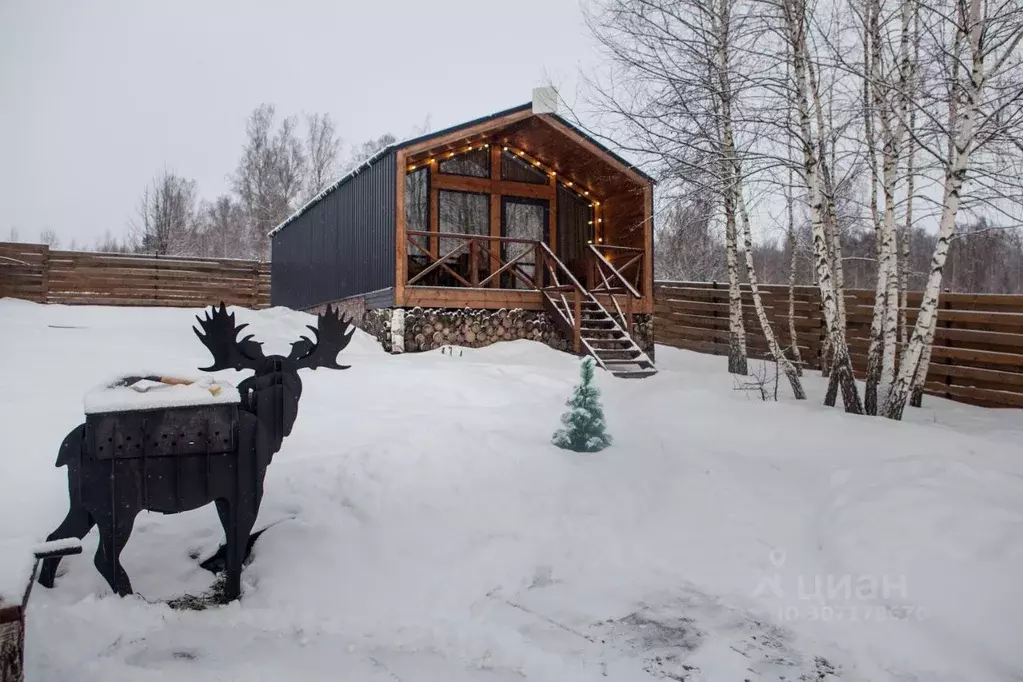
593	329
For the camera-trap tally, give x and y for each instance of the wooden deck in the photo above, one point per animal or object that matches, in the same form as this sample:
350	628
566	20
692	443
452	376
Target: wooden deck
474	274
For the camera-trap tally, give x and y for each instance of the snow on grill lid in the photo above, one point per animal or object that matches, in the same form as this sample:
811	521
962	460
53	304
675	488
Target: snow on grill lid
147	394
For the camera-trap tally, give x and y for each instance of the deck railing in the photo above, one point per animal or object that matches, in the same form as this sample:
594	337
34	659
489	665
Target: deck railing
450	259
475	261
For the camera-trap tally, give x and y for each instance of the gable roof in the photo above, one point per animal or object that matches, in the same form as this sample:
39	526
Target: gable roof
402	144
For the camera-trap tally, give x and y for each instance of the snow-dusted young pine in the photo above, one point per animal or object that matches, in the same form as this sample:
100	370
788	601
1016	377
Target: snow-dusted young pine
584	427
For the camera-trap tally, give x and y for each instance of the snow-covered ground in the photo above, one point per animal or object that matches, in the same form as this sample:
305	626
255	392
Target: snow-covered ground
432	533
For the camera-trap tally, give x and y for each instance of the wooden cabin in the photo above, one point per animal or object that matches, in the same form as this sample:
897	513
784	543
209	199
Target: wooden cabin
519	210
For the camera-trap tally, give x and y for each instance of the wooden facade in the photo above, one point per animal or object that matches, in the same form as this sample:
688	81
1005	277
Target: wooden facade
518	209
618	242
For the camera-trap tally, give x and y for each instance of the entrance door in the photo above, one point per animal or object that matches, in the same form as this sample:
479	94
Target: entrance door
523	218
575	230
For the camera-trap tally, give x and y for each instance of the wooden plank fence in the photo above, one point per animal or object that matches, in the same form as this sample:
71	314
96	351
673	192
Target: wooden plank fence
978	347
37	273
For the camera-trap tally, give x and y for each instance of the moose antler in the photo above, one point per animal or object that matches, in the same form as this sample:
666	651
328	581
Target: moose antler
221	339
333	332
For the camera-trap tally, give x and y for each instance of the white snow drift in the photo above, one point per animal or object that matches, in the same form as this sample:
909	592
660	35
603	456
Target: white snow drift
430	532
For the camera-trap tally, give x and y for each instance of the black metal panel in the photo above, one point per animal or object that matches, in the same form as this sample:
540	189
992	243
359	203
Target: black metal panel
341	246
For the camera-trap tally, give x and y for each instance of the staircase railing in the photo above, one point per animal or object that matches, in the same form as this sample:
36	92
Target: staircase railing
561	281
559	285
613	282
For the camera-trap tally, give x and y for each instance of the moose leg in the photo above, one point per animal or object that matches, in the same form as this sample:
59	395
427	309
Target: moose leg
232	559
78	521
113	536
76	524
237	517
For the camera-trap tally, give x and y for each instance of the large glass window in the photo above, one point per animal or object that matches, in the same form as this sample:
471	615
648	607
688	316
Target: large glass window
475	163
462	213
417	207
517	170
522	219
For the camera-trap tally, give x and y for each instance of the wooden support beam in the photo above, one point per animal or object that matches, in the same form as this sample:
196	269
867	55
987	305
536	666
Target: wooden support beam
465	183
400	246
462	297
495	212
434	224
648	249
552	216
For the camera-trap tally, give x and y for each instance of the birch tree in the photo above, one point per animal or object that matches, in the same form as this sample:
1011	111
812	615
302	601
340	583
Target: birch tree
166	216
803	89
322	151
50	238
985	113
270	175
787	368
888	92
790	234
670	95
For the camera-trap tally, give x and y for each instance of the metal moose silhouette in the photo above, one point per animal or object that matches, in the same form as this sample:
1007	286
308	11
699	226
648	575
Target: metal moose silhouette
177	459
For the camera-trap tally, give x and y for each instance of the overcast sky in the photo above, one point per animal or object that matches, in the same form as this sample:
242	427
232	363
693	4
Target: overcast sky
98	96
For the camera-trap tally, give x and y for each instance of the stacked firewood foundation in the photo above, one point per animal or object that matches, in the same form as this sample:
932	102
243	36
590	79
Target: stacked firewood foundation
424	329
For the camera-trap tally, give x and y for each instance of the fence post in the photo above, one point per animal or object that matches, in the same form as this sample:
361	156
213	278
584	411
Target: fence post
257	274
45	295
714	341
947	324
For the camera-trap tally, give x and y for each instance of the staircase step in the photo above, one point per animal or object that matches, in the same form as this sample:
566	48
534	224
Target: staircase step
616	363
623	355
612	344
637	374
605	330
571	304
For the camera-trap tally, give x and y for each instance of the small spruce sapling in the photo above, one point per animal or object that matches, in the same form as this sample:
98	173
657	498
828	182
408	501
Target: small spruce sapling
584	421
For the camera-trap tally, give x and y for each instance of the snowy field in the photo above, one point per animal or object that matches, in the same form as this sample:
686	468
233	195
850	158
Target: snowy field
431	532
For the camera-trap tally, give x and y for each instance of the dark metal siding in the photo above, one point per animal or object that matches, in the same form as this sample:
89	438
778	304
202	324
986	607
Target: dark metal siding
341	246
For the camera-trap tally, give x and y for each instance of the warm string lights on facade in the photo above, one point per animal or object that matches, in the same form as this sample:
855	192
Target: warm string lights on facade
596	221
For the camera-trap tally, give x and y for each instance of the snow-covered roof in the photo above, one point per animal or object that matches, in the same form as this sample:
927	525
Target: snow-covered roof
415	140
337	183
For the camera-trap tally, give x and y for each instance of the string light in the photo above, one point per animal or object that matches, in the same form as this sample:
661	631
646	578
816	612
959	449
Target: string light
582	193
